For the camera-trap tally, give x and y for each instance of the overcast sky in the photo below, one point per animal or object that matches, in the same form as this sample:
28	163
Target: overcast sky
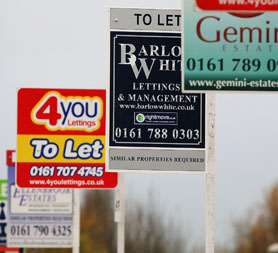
61	44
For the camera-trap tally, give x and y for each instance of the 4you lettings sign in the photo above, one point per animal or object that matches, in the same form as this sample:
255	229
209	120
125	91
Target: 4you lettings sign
61	139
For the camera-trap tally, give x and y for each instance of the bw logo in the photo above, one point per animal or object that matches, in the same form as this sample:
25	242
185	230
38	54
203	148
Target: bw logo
129	58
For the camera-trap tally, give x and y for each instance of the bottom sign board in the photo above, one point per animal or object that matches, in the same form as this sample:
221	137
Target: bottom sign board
128	159
4	217
39	217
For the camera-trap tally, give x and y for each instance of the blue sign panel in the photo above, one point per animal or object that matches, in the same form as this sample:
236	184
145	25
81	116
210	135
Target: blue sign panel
147	106
3	212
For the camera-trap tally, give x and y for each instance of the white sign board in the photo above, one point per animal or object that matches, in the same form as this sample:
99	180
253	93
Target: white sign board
39	217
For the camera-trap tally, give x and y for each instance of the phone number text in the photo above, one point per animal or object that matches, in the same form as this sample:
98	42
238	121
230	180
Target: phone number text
238	64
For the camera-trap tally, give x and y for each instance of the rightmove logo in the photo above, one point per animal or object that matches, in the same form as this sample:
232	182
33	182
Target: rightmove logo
140	118
155	118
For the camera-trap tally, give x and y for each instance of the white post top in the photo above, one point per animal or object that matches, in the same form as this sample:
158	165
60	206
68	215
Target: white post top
273	248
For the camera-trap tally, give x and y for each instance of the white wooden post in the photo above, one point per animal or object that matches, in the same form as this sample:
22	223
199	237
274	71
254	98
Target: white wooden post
120	213
210	240
76	221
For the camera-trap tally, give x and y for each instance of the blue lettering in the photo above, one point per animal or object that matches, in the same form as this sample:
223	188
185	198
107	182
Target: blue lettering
23	200
74	112
68	150
66	112
95	110
42	147
16	192
84	150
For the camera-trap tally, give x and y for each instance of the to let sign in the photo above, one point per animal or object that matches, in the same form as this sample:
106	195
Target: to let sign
229	51
152	124
61	139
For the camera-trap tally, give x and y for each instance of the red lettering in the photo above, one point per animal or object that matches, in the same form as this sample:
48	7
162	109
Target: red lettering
230	31
251	30
199	33
48	111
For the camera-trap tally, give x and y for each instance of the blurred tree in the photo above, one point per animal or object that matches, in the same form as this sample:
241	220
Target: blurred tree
148	231
254	233
218	249
97	226
146	228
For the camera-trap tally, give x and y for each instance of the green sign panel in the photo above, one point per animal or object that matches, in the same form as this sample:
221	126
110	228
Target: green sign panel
3	189
229	51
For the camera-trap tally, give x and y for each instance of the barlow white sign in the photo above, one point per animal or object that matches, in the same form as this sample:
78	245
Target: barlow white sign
152	125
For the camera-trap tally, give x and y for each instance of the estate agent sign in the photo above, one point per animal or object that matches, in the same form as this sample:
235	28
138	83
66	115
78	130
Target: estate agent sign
38	217
61	139
229	51
152	124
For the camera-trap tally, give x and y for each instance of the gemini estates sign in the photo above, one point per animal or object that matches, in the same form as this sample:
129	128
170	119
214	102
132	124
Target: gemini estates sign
229	51
152	125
